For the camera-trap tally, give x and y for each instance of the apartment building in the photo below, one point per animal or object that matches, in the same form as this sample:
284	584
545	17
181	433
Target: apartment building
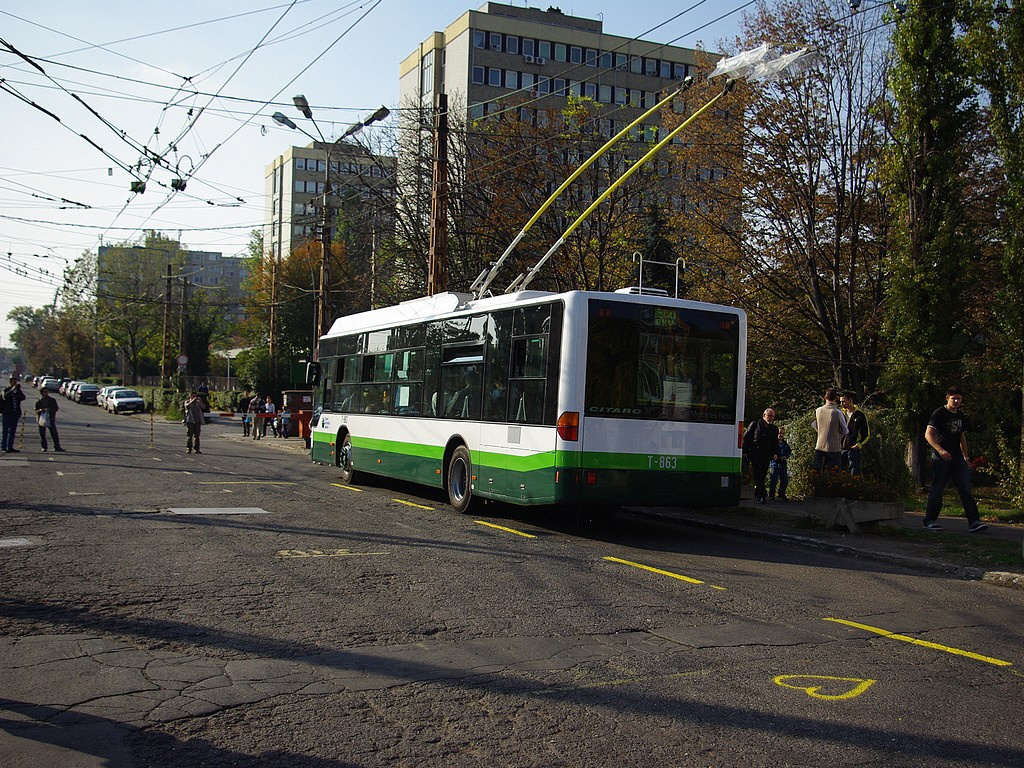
546	55
294	191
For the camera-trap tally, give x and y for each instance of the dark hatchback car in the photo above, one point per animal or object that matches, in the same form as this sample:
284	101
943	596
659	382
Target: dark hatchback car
86	393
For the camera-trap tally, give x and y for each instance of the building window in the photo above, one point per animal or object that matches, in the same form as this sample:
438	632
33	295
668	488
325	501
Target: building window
300	163
561	52
605	94
636	65
591	59
511	44
543	84
427	73
606	60
528	46
620	95
300	186
479	38
494	77
495	41
591	91
478	75
666	69
511	79
620	62
575	54
476	112
651	67
544	49
679	70
527	80
559	87
575	88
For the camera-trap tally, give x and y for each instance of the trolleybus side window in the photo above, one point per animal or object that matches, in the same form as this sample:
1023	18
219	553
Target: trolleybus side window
461	382
408	388
497	351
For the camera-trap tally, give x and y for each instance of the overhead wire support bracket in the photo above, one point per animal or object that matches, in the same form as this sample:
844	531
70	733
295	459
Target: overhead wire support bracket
487	276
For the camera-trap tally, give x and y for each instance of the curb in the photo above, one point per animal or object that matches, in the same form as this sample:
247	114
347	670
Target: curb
967	573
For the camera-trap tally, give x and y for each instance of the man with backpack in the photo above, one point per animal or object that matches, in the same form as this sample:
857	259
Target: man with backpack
760	445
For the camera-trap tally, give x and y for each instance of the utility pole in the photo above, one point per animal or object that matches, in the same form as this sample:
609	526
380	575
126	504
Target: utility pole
163	346
437	269
273	320
324	305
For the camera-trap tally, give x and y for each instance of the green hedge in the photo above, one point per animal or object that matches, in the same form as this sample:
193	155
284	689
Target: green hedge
883	461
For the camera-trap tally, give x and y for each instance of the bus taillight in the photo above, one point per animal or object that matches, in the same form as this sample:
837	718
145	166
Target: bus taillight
739	439
569	426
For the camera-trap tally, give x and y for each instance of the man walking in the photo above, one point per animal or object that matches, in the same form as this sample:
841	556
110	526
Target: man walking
193	421
254	411
853	441
830	424
12	399
947	435
46	416
760	446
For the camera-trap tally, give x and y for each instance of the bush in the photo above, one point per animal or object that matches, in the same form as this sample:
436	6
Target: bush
882	463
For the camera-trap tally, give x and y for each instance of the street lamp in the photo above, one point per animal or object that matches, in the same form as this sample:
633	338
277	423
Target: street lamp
324	303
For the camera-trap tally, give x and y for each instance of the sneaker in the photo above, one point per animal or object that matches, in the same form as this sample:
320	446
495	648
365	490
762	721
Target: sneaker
43	451
976	527
198	451
931	525
189	451
59	450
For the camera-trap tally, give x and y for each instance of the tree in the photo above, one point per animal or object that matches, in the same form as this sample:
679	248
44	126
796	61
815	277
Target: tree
32	335
994	46
931	261
784	215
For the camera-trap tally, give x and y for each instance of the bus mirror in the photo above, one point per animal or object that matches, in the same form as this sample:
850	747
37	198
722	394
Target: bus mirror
313	373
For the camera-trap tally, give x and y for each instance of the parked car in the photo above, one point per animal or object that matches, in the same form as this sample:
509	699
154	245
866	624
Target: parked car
104	393
122	400
86	393
50	384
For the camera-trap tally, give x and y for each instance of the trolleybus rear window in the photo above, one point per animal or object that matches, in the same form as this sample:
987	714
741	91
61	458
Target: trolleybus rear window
657	362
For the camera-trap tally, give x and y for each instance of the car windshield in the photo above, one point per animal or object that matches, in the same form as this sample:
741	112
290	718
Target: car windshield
88	388
126	393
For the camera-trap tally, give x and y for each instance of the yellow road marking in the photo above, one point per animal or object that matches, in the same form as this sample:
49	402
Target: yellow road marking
347	487
812	690
659	571
925	643
507	530
410	504
245	482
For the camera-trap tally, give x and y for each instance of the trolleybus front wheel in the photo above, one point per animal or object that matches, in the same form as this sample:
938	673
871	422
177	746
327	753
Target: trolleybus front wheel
460	480
348	473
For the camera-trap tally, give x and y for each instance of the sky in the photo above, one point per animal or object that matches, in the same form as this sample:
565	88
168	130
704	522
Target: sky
92	91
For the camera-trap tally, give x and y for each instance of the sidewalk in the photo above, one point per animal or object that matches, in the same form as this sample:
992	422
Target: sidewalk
790	522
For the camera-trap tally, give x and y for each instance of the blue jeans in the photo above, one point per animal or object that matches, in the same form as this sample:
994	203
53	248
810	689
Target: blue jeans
851	461
957	471
779	474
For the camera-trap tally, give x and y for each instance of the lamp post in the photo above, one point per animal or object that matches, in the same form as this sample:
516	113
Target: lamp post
323	315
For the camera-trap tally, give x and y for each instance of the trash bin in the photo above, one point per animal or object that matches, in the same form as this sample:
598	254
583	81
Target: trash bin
300	403
301	419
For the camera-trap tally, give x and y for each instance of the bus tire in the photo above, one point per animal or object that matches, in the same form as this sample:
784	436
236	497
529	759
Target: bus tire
459	480
348	472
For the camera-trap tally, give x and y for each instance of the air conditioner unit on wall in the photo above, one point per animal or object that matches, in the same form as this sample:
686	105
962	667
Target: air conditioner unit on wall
540	60
528	58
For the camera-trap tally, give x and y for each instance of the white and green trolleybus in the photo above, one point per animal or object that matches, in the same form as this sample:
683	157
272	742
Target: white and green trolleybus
578	398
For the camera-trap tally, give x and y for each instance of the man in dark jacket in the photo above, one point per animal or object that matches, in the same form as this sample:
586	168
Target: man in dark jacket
760	444
12	399
47	405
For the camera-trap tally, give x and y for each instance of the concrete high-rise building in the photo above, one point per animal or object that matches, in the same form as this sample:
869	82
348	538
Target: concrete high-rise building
295	191
499	50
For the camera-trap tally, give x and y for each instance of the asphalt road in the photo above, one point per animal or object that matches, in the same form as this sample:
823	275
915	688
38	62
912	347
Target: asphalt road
238	608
